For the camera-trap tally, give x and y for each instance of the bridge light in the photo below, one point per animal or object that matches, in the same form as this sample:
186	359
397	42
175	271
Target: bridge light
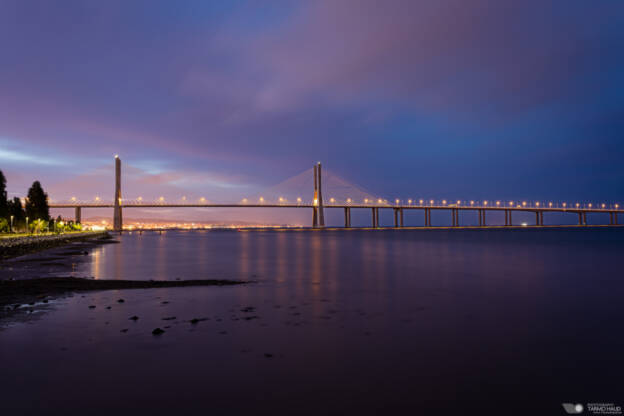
497	203
396	200
97	198
298	199
564	204
261	199
73	198
366	200
161	199
244	200
603	205
116	156
140	199
444	202
577	204
471	202
184	198
537	204
431	202
332	200
202	199
550	204
511	203
458	202
409	201
349	200
484	202
281	199
524	203
421	202
590	205
617	206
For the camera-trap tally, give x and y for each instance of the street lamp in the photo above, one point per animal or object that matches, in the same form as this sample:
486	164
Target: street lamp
11	227
27	230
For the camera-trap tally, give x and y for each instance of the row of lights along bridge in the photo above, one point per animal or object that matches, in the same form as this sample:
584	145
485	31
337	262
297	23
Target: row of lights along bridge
418	202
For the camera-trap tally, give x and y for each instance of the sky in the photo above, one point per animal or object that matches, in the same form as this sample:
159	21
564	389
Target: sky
407	99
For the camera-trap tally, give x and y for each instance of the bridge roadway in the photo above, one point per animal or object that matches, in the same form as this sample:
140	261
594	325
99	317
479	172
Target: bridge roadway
397	208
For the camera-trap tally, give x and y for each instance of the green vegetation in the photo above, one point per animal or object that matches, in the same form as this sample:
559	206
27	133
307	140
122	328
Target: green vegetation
31	217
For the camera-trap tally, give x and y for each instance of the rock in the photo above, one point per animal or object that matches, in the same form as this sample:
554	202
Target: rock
158	331
108	307
120	300
248	309
133	318
91	306
197	320
124	330
267	355
164	302
169	318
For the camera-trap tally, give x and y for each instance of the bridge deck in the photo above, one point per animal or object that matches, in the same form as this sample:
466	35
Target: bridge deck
386	206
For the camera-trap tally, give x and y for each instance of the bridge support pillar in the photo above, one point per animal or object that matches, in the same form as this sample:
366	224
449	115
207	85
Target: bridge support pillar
610	218
376	217
396	217
117	213
347	217
427	217
480	212
401	213
541	218
506	217
584	218
615	216
373	217
537	222
510	222
77	215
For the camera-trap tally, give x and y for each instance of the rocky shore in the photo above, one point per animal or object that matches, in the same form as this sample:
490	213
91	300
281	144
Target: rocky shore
15	294
21	245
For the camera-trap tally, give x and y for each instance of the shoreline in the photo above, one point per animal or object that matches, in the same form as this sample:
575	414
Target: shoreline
11	247
14	294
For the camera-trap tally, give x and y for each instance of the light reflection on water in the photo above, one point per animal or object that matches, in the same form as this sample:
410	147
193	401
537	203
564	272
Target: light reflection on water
359	321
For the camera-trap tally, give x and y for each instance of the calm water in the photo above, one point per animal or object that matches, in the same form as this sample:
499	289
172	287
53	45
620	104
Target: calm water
338	322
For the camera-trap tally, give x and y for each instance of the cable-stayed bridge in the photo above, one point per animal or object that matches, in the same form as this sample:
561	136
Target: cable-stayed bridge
316	192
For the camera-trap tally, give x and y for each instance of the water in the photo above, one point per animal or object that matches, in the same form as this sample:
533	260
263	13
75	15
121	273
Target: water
341	322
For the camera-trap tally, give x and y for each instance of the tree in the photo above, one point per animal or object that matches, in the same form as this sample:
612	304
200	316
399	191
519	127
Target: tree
17	212
37	203
4	207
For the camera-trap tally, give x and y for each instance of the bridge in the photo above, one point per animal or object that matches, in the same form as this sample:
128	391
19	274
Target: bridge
317	206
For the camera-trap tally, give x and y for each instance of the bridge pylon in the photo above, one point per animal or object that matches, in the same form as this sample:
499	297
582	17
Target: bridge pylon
318	212
117	212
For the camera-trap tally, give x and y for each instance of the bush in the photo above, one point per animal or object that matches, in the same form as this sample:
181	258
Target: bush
4	225
38	226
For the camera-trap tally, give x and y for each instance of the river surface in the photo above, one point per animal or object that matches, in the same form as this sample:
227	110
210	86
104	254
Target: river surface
335	322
